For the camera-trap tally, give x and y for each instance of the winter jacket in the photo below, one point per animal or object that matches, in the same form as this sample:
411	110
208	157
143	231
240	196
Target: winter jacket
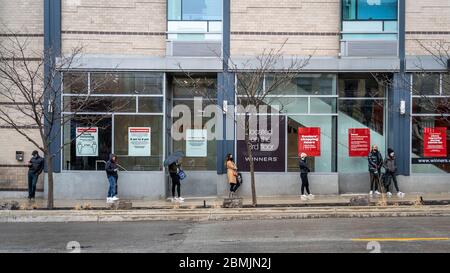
37	165
173	168
375	161
389	165
303	166
111	167
231	172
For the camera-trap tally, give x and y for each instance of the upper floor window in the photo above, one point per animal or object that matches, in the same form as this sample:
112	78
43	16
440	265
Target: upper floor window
369	9
194	10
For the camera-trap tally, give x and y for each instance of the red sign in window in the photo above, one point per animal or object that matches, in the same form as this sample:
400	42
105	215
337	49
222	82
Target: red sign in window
309	141
358	142
435	142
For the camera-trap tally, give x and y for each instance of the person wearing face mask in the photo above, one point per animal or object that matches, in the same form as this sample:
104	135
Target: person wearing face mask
231	174
304	170
391	170
35	168
375	163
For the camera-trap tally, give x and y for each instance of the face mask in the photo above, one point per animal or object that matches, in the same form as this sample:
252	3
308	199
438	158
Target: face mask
392	154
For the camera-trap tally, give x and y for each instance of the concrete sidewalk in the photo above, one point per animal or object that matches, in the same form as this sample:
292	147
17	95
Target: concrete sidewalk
263	202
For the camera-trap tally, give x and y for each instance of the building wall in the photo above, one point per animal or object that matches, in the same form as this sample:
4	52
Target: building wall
114	27
427	21
24	18
307	27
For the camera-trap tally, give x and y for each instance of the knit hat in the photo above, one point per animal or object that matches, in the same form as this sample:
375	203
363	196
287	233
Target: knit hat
390	151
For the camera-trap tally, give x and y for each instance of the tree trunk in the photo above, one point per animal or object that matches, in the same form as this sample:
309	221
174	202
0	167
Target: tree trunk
252	169
50	202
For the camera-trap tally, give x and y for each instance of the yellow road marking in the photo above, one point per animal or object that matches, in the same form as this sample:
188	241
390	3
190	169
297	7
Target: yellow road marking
398	239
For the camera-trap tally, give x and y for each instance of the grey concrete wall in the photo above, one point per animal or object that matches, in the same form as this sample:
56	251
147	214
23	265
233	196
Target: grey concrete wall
354	183
277	184
427	183
18	194
94	185
198	184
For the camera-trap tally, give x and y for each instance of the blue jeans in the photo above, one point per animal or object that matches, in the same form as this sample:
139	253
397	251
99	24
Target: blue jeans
32	181
112	186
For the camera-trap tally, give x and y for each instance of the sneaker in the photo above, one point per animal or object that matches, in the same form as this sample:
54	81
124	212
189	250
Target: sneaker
109	200
389	194
115	198
371	193
304	197
377	192
181	199
311	197
173	200
400	194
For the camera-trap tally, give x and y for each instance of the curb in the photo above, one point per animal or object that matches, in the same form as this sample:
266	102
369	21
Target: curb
197	215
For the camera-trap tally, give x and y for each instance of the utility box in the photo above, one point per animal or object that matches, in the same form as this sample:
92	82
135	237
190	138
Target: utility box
20	155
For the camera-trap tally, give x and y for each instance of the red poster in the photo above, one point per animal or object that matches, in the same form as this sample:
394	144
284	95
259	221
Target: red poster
435	142
309	141
358	142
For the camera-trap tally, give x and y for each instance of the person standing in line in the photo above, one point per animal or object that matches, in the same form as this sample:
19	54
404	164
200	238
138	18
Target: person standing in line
112	174
176	184
375	163
391	170
35	168
231	174
304	170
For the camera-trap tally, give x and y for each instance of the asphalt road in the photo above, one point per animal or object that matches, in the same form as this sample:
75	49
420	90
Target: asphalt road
271	236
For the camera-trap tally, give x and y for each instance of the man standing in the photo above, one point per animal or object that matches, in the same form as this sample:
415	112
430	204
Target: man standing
111	173
391	172
36	166
375	164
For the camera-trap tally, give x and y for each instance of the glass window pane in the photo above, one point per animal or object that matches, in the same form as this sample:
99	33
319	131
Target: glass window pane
377	9
70	159
418	126
310	84
446	84
381	36
323	105
359	114
121	148
127	83
100	104
202	10
321	163
289	105
425	105
150	105
193	87
426	84
349	9
174	9
360	85
75	83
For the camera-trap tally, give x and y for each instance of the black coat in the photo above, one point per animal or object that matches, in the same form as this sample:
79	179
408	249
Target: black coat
303	166
37	165
111	168
375	161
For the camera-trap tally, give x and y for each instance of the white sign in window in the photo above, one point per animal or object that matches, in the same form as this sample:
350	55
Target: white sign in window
87	141
196	143
139	141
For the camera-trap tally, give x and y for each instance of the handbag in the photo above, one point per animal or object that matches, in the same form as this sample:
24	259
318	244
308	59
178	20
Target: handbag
181	174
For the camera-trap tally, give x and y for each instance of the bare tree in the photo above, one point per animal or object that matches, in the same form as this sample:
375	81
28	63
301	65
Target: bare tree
31	97
259	81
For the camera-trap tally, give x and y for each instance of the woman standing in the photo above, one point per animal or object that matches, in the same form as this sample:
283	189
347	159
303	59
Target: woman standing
304	170
231	174
173	171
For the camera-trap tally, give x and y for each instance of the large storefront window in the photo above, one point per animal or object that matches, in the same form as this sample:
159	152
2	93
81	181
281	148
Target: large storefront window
119	113
306	109
430	128
361	106
369	9
189	92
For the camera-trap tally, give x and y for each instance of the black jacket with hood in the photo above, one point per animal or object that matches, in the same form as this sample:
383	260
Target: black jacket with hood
303	166
37	165
111	167
375	161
